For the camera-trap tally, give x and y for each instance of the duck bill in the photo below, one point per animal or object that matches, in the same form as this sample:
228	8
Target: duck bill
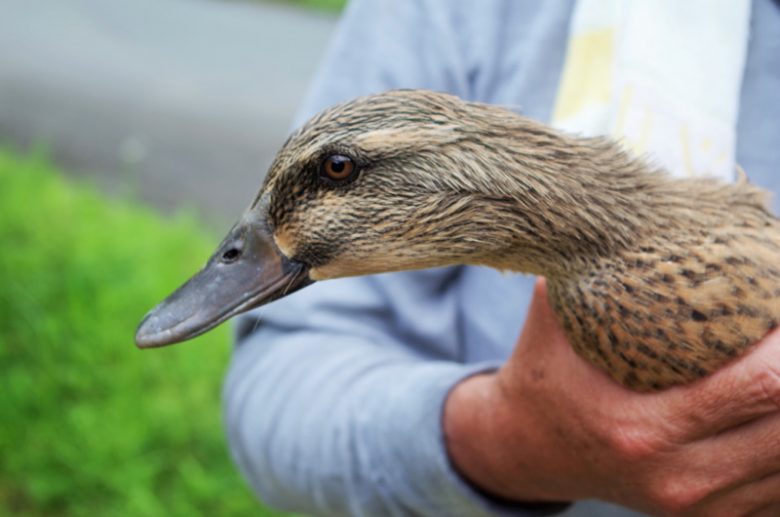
247	271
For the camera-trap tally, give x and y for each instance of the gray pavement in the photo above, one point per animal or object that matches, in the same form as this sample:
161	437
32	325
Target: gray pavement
184	102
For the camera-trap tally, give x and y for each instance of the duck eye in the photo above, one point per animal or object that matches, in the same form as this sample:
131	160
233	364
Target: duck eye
337	167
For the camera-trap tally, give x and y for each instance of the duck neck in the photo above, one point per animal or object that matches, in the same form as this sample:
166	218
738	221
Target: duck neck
551	238
554	203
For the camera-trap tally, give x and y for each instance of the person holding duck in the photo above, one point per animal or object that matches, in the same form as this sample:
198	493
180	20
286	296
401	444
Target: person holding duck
410	393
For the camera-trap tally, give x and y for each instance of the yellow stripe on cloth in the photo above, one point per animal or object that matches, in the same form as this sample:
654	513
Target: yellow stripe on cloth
661	76
587	74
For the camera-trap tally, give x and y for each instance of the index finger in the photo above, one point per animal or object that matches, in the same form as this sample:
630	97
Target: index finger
744	390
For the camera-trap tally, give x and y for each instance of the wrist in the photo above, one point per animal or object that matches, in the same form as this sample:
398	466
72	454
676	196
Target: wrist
466	431
484	437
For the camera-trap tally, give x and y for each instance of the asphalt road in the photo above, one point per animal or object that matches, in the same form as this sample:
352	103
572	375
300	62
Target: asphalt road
183	102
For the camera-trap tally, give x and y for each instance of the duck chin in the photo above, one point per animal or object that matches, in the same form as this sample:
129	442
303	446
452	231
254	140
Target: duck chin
333	271
344	265
342	268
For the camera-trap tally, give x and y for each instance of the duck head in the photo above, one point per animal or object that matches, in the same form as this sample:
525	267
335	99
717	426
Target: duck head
389	182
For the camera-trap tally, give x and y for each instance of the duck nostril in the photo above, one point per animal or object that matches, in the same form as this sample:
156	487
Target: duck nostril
231	255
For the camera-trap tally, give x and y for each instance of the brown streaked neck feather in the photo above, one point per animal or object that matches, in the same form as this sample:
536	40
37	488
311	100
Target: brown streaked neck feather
552	203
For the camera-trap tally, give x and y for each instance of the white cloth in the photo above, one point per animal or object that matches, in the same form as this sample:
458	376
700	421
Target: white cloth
662	76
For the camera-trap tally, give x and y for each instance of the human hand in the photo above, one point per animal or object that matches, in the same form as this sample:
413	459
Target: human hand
550	427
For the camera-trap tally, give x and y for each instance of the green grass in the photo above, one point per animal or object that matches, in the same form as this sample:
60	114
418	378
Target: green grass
89	425
333	6
322	5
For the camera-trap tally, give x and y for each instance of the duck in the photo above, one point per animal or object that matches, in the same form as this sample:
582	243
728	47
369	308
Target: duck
656	280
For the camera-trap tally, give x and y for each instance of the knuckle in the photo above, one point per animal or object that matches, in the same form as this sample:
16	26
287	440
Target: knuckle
676	496
705	408
634	443
767	383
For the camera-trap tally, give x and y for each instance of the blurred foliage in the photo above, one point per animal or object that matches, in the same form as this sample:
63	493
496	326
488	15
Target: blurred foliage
89	425
323	5
334	6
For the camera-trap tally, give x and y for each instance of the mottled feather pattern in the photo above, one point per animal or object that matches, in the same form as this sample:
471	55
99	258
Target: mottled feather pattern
667	313
657	281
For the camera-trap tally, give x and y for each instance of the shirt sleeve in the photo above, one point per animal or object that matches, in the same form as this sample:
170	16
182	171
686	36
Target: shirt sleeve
335	393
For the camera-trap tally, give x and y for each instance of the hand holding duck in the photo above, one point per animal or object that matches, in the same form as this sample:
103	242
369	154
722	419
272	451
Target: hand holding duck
549	427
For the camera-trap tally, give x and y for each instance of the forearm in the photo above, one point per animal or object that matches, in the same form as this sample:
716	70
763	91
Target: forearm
330	410
338	426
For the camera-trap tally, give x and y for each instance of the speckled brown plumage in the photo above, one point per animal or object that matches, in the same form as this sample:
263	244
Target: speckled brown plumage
672	311
657	281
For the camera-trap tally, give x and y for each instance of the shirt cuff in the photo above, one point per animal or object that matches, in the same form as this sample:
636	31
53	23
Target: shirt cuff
409	441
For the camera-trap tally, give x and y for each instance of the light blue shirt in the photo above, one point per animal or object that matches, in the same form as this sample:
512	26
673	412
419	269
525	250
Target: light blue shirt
335	394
